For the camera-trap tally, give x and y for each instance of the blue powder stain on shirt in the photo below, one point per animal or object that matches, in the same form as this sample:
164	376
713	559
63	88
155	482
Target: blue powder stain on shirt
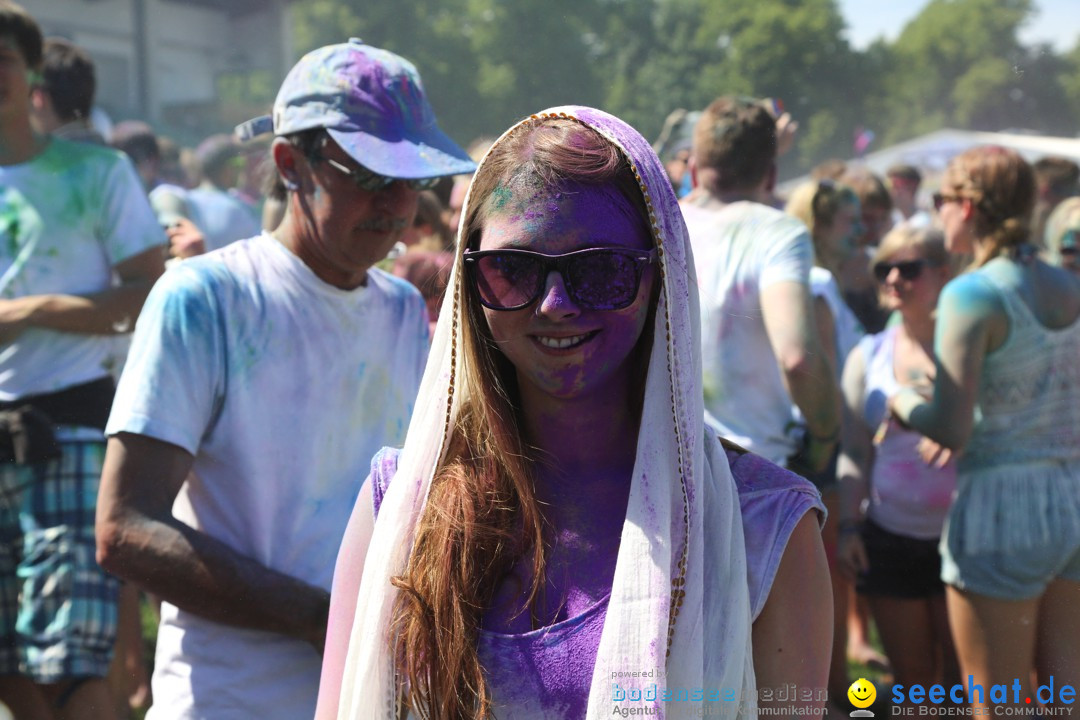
183	295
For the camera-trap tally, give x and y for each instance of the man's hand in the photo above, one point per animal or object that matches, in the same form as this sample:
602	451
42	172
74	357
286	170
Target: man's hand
185	239
786	128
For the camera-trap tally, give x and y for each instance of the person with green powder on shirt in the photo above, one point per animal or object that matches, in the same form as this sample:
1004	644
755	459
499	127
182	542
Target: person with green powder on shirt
79	250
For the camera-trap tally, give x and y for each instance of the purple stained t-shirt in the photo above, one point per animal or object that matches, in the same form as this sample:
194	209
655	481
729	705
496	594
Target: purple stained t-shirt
545	674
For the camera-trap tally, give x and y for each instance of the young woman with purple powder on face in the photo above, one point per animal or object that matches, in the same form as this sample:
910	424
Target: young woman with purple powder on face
1006	397
561	533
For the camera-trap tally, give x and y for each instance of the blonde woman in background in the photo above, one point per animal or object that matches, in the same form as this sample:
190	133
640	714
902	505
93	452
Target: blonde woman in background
892	552
831	212
1063	235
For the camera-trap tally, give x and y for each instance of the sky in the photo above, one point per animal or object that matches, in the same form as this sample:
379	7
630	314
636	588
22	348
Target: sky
1056	21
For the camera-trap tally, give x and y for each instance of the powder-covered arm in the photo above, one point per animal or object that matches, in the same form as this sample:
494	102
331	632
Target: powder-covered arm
970	317
104	313
139	540
128	235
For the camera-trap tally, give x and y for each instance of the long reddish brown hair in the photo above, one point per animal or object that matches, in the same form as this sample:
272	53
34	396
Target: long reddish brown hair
482	515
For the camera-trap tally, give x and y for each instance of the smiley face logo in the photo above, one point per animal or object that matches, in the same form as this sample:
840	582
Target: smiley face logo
862	693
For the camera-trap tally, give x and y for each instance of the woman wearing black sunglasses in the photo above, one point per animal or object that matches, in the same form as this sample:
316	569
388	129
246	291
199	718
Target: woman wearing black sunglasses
561	535
1062	241
1007	343
891	549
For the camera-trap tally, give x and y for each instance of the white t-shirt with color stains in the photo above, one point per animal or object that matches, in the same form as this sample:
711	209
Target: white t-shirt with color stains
283	388
739	251
66	218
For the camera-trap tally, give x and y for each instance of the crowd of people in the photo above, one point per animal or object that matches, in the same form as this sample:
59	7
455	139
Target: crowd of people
381	427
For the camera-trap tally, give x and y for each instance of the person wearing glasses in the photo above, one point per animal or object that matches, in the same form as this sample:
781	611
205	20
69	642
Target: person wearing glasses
1007	340
1062	238
831	211
890	550
562	533
262	379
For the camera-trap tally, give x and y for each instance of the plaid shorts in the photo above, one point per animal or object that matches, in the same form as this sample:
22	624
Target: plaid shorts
57	606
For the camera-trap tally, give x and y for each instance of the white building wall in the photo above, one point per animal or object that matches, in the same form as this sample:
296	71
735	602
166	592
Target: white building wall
105	29
187	47
265	38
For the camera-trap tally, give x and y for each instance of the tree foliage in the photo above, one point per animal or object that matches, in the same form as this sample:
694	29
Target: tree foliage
485	63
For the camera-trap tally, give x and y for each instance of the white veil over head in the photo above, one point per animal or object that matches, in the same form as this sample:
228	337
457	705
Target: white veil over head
679	599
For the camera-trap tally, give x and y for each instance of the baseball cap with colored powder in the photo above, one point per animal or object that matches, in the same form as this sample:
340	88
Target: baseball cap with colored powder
371	102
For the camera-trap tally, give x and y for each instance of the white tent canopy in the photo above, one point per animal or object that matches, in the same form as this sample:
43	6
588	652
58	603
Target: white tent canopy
931	153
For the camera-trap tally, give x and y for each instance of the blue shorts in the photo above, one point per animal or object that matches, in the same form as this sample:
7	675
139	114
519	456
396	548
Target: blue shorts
1016	575
57	606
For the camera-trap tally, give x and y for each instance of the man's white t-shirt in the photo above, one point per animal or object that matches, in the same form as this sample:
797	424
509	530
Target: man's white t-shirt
67	217
739	250
846	328
222	217
283	387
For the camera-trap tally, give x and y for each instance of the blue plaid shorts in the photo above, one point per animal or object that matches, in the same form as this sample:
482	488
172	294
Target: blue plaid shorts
57	606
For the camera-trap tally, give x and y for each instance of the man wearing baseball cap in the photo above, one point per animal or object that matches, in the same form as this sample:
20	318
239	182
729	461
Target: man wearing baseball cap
262	379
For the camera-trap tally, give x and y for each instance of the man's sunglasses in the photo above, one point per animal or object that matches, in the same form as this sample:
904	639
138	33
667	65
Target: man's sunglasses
595	279
372	181
908	269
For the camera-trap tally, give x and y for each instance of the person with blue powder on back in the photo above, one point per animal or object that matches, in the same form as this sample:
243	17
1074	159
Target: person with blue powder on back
262	379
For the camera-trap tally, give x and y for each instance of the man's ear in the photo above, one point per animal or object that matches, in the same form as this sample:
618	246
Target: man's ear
770	179
286	156
691	167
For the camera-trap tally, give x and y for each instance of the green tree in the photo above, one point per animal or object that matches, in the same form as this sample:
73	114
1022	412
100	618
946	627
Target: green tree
958	63
1067	90
484	63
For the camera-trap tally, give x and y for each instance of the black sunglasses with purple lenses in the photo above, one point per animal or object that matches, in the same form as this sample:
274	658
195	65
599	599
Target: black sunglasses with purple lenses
908	269
595	278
